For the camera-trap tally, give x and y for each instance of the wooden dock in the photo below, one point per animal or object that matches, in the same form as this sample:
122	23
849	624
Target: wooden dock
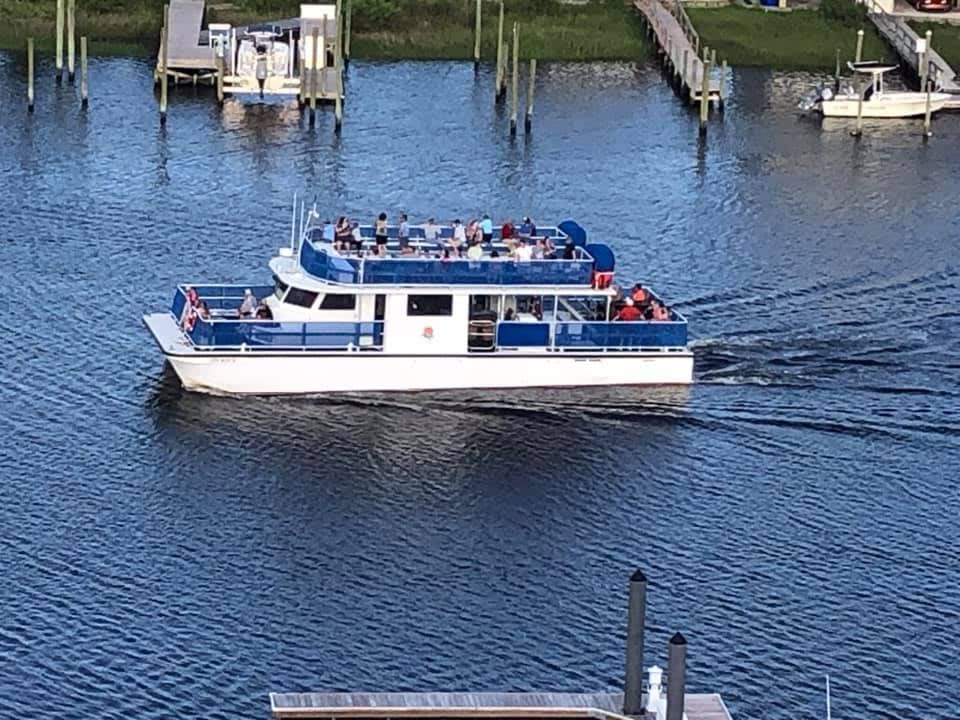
381	706
903	39
186	56
680	49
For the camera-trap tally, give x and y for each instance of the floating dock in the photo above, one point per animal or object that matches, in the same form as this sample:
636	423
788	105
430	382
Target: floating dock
383	706
680	48
638	701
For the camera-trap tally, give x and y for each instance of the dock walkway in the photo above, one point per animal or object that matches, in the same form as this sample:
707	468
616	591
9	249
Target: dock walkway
677	39
185	53
380	706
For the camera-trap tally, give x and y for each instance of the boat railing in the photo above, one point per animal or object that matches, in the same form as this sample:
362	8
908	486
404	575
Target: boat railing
233	334
596	335
216	297
326	264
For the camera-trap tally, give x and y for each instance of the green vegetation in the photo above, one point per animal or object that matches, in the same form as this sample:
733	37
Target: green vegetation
798	39
946	40
389	29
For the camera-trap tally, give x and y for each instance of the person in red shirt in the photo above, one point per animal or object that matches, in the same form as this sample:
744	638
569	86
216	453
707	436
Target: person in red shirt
629	312
639	295
506	232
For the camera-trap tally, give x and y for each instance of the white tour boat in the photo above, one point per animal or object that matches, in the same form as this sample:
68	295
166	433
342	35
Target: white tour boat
339	320
878	102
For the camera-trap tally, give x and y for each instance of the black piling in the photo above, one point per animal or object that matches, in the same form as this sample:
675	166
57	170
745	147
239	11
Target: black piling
676	676
636	620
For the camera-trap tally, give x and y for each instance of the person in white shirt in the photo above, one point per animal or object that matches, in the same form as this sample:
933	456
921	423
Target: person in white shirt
431	232
459	238
524	251
249	305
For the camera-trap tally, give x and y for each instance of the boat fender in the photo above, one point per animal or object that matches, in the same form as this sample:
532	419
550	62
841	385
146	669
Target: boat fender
428	332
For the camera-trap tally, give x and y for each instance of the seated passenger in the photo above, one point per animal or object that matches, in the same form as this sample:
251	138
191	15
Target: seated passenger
473	232
549	251
204	310
193	299
509	315
475	252
639	295
459	237
538	251
264	312
660	312
249	305
569	251
629	312
506	231
356	239
431	232
524	251
341	233
526	228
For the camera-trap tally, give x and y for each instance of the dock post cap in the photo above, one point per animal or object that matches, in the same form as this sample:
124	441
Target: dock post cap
638	576
678	639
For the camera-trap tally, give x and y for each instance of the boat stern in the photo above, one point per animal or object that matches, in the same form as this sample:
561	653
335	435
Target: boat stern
167	334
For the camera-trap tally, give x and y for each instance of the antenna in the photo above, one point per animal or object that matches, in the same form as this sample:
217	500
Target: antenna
828	697
293	223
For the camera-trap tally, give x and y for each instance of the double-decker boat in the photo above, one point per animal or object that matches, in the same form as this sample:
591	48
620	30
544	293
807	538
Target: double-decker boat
409	318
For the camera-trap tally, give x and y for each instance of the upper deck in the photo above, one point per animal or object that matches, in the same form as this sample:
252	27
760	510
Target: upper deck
427	265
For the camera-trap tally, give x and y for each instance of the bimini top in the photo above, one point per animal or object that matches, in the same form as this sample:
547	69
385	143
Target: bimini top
574	261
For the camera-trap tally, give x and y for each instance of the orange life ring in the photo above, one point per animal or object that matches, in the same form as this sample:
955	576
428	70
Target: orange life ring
428	332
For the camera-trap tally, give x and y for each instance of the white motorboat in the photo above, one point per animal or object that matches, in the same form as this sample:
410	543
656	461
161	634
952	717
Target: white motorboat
414	317
877	101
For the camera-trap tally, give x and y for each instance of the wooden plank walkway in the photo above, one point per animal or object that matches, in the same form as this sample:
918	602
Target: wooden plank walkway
904	38
186	53
379	706
677	39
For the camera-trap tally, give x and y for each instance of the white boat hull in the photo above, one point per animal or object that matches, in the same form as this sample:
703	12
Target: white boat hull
899	105
304	372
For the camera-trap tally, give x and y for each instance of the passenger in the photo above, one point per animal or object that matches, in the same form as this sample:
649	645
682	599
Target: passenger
447	255
474	235
569	251
486	228
526	228
459	238
507	231
204	310
639	295
249	305
431	232
524	251
538	251
356	239
533	226
407	250
403	232
193	299
264	312
341	234
660	312
380	232
475	251
508	315
494	255
549	251
629	312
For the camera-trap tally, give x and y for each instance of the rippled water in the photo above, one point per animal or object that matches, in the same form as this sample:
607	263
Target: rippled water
166	554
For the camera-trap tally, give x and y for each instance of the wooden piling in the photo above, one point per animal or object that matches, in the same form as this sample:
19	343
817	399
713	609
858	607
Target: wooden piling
59	59
71	38
501	59
531	76
164	52
337	71
861	89
476	36
685	80
84	100
926	85
29	74
313	76
723	84
836	74
219	63
857	57
516	79
346	34
705	97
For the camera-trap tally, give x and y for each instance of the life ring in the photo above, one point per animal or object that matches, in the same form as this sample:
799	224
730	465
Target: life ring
428	332
190	321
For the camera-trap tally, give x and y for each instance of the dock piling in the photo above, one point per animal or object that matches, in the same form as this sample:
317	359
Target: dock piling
84	100
676	676
858	129
346	34
704	97
836	74
164	52
313	76
501	59
636	621
476	36
723	84
30	74
925	84
71	38
531	77
338	71
685	80
59	42
859	53
516	79
219	63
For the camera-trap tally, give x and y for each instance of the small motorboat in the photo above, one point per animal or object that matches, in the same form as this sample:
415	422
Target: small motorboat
878	102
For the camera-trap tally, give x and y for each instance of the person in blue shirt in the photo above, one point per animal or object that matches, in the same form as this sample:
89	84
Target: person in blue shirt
525	228
403	232
486	228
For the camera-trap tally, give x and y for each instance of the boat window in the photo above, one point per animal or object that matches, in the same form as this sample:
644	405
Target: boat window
429	305
279	287
303	298
338	302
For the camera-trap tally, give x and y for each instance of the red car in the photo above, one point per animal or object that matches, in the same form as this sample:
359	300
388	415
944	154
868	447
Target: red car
933	5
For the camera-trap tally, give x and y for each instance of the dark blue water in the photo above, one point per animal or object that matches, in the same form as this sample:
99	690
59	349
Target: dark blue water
172	555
